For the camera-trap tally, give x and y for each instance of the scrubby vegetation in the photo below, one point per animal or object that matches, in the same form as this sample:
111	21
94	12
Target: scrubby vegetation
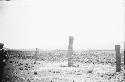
51	66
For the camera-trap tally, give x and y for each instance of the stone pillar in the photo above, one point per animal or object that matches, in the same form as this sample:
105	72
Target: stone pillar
124	56
70	51
118	58
36	55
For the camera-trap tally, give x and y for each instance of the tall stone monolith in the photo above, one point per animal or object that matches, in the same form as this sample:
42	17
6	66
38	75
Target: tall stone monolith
70	51
124	56
36	55
118	58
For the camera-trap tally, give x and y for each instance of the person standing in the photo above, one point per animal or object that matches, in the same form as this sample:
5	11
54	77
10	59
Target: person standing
3	59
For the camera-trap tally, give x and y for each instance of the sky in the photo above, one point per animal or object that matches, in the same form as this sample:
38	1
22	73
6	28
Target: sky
47	24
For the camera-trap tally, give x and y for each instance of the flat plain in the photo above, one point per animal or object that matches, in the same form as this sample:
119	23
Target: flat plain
52	66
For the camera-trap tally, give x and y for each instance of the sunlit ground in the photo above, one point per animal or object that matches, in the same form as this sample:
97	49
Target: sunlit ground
20	70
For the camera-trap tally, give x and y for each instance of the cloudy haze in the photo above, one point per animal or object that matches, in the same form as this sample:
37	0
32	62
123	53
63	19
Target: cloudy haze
46	24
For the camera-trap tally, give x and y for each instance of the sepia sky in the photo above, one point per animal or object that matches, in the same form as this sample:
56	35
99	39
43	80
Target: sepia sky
46	24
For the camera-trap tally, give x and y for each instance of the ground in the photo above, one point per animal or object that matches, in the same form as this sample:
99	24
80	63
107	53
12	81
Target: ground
24	70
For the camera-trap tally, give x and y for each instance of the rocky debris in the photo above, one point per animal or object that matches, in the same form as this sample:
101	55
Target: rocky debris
25	71
90	71
35	73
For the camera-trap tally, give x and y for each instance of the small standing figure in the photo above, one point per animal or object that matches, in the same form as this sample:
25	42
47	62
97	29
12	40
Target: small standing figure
3	58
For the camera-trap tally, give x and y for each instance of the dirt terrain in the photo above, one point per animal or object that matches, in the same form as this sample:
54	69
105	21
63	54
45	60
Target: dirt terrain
24	70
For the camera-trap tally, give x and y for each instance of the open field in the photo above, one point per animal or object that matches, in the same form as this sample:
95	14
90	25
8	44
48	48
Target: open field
87	67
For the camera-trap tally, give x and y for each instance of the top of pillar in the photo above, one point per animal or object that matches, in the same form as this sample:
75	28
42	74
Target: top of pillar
71	37
117	47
